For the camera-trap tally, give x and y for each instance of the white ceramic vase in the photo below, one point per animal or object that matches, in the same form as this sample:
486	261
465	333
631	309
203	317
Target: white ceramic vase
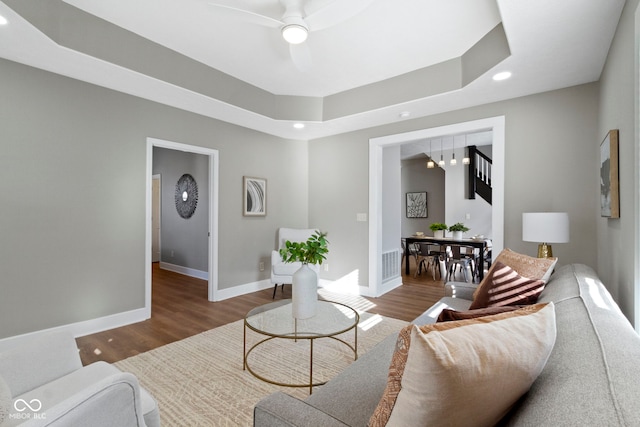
438	234
304	294
457	235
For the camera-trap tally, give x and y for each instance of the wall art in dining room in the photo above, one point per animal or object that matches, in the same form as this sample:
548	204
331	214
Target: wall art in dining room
417	204
255	196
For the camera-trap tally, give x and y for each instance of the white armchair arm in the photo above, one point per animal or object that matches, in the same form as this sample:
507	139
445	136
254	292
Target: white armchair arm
112	401
275	258
39	360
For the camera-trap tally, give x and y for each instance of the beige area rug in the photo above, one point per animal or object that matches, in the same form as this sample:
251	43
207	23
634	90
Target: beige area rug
199	381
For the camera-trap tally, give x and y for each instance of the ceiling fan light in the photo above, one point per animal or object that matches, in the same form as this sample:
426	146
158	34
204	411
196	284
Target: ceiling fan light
294	33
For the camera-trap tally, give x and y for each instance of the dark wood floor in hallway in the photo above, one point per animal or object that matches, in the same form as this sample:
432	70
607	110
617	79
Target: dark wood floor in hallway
180	309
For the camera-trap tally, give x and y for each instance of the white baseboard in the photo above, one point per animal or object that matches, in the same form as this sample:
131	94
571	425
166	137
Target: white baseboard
247	288
83	328
117	320
191	272
390	285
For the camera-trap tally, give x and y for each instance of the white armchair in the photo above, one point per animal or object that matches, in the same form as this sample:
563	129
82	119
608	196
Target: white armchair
46	374
282	272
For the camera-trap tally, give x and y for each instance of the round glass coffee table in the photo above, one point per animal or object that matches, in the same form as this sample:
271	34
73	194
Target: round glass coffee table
275	321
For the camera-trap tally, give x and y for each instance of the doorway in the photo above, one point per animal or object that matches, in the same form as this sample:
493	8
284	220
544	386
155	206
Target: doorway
378	216
213	173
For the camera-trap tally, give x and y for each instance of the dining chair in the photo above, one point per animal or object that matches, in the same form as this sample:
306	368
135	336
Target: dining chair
487	252
412	250
456	258
429	258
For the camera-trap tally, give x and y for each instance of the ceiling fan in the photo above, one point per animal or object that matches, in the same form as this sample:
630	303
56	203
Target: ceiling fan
299	19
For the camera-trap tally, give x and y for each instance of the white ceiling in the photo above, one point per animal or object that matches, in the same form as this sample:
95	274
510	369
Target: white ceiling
554	44
387	39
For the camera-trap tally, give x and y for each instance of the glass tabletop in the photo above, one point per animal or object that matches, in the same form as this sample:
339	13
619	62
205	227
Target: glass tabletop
276	319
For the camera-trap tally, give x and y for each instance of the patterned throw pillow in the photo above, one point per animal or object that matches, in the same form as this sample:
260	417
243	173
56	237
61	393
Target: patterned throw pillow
524	265
504	286
494	339
536	268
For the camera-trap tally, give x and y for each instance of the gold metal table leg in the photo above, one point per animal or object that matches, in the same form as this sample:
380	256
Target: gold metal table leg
311	368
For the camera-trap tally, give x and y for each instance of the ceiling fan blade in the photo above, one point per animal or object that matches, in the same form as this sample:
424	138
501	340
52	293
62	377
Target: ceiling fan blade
319	17
301	56
248	16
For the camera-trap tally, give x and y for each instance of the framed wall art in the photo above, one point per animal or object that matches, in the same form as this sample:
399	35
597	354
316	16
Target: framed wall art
417	205
609	184
254	191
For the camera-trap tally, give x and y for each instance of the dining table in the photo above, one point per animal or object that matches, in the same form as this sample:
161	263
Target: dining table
481	244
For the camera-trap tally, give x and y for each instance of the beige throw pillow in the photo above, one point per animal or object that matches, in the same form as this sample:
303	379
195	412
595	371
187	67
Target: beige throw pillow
466	372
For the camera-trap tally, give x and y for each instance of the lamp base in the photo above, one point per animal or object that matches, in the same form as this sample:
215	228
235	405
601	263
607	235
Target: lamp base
544	251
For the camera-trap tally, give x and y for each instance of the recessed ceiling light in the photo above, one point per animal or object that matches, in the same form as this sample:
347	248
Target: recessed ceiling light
404	114
3	20
502	76
298	125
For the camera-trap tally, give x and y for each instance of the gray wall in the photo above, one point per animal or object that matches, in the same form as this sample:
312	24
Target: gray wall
73	161
549	154
184	242
416	177
616	238
73	176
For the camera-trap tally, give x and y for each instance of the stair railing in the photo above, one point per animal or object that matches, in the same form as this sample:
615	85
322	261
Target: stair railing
479	172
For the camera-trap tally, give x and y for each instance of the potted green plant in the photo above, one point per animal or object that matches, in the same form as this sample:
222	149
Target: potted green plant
457	229
304	289
438	229
313	251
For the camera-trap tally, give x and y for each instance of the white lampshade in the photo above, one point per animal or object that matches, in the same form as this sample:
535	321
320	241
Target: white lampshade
547	227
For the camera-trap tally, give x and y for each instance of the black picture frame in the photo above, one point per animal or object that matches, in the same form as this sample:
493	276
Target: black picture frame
417	204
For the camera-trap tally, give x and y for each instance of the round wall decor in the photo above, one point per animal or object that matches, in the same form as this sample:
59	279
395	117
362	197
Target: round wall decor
186	196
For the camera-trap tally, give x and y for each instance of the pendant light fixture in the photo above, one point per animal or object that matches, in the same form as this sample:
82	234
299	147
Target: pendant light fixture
465	159
430	164
453	161
441	162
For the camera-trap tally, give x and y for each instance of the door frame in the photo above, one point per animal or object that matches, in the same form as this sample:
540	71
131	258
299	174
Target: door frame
159	201
376	146
214	171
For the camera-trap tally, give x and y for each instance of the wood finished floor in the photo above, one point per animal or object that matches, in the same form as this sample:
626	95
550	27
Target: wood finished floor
180	309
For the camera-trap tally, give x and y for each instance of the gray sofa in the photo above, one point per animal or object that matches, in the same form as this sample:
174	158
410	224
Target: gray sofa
43	383
592	377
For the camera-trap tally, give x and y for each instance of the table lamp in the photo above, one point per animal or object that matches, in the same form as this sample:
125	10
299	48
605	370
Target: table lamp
545	227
